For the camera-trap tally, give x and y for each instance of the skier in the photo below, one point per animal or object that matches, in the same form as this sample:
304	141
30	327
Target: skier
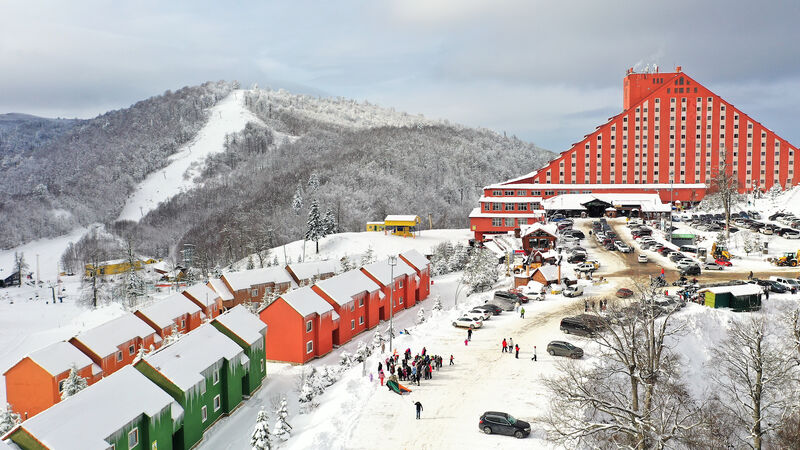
516	348
534	354
469	334
419	408
522	313
505	345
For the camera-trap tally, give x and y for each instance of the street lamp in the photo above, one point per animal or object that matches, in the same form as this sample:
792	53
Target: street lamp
392	263
671	191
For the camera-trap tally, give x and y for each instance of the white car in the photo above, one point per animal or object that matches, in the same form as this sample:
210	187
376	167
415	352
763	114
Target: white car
623	247
585	267
573	291
792	235
685	263
468	322
479	314
642	258
711	265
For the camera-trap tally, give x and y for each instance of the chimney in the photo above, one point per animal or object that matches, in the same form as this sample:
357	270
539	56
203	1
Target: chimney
678	69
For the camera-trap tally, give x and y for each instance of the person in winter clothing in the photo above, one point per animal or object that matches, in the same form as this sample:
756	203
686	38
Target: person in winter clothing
510	344
419	408
466	341
505	345
381	376
534	354
380	366
517	351
522	313
451	361
469	334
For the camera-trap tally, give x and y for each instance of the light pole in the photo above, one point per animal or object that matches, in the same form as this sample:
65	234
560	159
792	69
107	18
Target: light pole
392	263
671	191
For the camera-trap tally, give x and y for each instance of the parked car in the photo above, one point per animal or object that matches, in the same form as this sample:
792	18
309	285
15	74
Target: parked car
693	269
776	287
576	257
623	247
505	295
563	348
493	422
573	291
581	325
522	298
785	282
675	257
712	266
723	262
492	308
624	293
480	315
642	258
486	314
793	234
467	322
585	267
593	262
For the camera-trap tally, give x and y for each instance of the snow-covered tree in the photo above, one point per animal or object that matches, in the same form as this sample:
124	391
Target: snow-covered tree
480	273
8	419
297	200
377	339
275	261
20	266
315	228
421	315
250	264
73	384
345	359
368	257
261	439
173	336
346	264
329	222
458	259
329	375
363	352
390	331
282	428
313	182
437	303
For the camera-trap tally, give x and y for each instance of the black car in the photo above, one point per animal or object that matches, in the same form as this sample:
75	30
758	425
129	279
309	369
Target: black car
492	308
505	295
576	258
563	348
494	422
691	270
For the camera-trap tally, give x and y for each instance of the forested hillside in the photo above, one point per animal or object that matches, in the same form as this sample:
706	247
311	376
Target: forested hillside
72	174
21	133
361	161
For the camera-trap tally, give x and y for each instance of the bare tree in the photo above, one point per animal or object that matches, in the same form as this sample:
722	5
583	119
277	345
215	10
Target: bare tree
20	266
751	372
634	396
724	189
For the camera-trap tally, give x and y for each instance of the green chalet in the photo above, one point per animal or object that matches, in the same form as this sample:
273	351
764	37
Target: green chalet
122	411
247	330
203	371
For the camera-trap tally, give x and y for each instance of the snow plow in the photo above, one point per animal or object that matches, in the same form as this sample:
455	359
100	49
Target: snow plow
719	252
788	259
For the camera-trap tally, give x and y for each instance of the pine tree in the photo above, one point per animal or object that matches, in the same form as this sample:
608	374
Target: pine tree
261	439
421	315
315	230
345	359
329	222
20	266
297	200
345	264
174	335
282	428
480	273
250	264
73	384
437	303
313	182
8	419
368	257
377	339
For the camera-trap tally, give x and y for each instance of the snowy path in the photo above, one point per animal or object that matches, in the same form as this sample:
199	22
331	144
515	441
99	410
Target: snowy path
227	116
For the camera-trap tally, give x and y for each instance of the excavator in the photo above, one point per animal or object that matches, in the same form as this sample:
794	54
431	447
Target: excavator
788	259
719	252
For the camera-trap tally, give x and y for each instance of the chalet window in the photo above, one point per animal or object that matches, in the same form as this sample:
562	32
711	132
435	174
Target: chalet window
509	206
133	438
217	402
496	207
509	222
131	350
536	192
497	222
521	193
361	320
509	193
204	413
497	192
61	385
360	303
119	356
523	207
353	324
401	300
308	326
215	376
254	293
401	284
309	347
183	323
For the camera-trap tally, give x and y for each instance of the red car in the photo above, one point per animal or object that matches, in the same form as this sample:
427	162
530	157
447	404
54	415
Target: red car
624	293
723	262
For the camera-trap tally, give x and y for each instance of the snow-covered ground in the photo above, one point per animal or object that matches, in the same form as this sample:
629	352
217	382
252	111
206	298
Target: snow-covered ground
48	250
227	116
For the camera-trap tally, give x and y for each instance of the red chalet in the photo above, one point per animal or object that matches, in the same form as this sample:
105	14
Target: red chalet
671	138
113	345
206	298
175	312
301	326
251	285
309	272
355	298
422	266
402	289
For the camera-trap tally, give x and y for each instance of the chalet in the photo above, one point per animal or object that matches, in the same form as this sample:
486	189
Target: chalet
355	298
402	289
422	265
375	226
247	330
742	297
301	326
122	411
538	236
10	280
251	285
35	382
203	372
207	299
175	312
115	343
551	274
402	225
308	272
539	257
221	290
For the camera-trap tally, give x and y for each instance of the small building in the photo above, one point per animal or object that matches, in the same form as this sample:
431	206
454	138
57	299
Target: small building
422	266
375	226
402	289
36	381
741	297
115	266
402	225
10	280
539	258
355	298
301	326
122	411
203	372
114	344
538	236
175	312
247	330
681	239
308	272
551	274
251	285
225	294
209	301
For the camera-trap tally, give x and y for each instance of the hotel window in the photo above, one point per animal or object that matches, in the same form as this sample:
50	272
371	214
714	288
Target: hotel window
497	222
509	222
497	207
361	303
497	192
309	326
361	320
509	206
309	348
523	206
536	192
508	193
353	324
521	193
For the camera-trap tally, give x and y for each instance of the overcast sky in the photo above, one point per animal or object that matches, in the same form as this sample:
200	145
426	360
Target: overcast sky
548	72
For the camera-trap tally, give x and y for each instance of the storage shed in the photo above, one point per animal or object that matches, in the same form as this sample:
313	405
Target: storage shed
743	297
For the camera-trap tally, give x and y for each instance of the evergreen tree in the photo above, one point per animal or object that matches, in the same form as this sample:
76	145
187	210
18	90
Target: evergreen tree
297	200
313	182
282	428
368	257
73	384
480	273
421	315
261	439
8	419
174	335
345	264
345	359
20	266
377	339
250	264
329	222
437	303
316	229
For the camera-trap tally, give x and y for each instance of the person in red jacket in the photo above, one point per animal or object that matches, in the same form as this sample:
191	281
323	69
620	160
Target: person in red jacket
505	345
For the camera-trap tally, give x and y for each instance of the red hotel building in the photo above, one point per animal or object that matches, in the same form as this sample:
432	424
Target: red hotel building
669	139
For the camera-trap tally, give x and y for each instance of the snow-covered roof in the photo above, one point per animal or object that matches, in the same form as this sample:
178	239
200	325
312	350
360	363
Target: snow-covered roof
247	278
383	271
104	339
550	228
59	357
535	214
85	420
242	323
183	361
550	272
646	202
164	312
306	302
308	270
736	290
401	218
417	259
490	199
511	184
217	286
341	288
204	294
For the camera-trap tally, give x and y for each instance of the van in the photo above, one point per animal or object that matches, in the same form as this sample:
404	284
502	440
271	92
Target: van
791	284
578	326
688	248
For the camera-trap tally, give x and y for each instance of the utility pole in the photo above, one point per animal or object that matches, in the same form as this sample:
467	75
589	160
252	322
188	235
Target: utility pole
392	263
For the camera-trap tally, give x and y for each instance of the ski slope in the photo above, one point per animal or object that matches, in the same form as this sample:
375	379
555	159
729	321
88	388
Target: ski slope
227	116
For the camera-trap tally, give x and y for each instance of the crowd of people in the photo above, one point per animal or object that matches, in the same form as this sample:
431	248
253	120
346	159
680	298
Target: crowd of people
407	368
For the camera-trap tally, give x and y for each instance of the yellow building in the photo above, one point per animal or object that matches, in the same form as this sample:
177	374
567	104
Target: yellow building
402	225
117	266
375	226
